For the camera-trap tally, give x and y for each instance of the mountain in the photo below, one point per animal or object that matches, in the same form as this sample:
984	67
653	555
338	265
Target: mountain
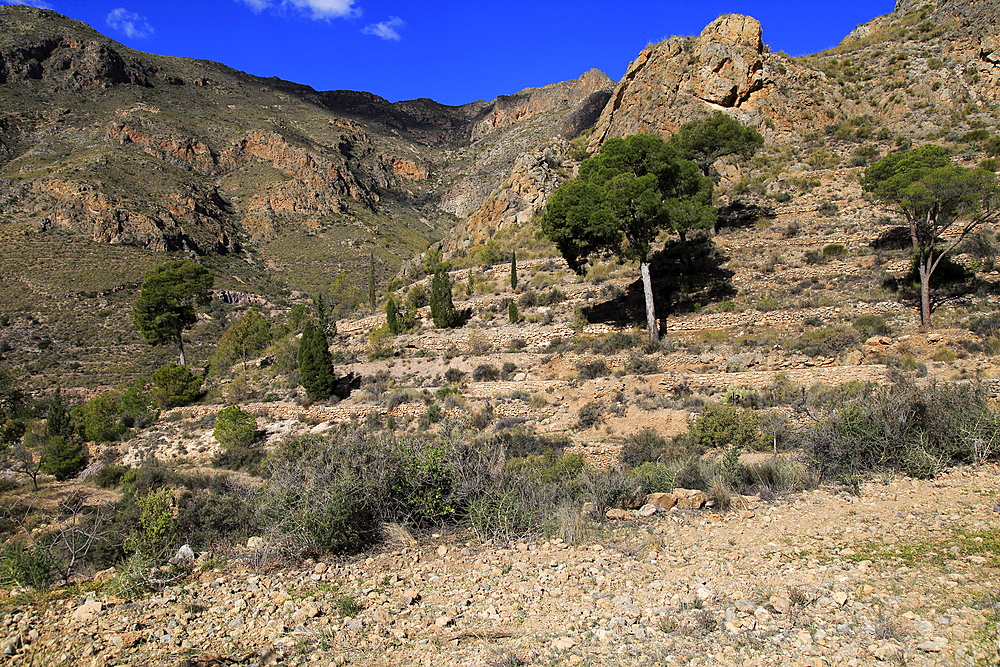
112	159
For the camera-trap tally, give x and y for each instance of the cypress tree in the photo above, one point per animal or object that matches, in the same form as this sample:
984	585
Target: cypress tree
442	307
512	312
315	363
513	270
392	321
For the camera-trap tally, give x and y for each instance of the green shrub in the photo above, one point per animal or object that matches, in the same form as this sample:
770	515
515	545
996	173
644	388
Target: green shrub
591	414
454	376
503	514
827	209
638	363
834	250
417	297
175	385
589	370
826	341
871	325
642	447
904	427
512	312
721	426
27	565
109	476
235	427
485	373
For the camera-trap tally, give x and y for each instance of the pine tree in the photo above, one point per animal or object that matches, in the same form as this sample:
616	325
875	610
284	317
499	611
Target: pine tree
442	307
513	270
63	453
315	363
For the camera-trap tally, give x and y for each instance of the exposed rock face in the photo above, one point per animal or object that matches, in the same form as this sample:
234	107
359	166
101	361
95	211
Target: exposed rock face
521	123
70	61
729	62
510	109
184	152
523	195
178	223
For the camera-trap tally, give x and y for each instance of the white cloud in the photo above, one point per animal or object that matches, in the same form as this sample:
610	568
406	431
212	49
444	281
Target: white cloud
320	9
37	4
129	23
386	29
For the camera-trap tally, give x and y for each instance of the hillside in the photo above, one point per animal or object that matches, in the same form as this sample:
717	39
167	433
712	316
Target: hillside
797	474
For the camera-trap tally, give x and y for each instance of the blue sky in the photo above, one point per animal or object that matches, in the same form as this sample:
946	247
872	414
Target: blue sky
452	52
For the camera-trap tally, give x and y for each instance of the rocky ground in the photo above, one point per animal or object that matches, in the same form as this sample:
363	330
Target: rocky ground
903	573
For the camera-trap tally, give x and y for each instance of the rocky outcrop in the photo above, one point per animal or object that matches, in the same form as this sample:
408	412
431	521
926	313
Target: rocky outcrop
184	152
177	223
533	179
70	62
728	57
510	109
519	124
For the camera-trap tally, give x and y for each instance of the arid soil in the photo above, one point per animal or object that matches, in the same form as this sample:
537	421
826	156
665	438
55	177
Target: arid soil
903	573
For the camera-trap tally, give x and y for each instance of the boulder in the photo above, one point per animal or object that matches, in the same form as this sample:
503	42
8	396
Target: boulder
662	501
690	499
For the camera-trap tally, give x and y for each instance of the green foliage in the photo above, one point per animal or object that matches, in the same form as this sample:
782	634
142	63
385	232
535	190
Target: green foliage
834	250
167	300
417	297
642	447
63	456
246	336
903	427
932	194
513	270
100	417
315	363
27	565
153	534
722	426
297	316
705	141
512	312
826	341
871	325
634	188
174	386
235	427
392	320
442	307
625	196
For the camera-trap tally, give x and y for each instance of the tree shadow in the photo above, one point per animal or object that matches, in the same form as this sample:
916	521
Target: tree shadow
346	384
686	276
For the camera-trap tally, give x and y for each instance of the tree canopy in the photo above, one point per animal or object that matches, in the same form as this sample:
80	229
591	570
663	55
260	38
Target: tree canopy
933	195
625	196
247	335
167	300
706	140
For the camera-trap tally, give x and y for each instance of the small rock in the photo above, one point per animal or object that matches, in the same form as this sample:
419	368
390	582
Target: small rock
442	550
933	645
840	598
780	604
647	510
255	543
443	621
184	555
409	597
563	644
615	513
87	611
